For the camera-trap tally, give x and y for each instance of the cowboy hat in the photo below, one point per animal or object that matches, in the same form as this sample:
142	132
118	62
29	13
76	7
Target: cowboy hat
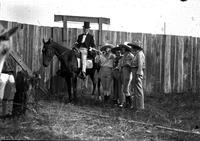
103	48
128	48
136	45
115	49
86	25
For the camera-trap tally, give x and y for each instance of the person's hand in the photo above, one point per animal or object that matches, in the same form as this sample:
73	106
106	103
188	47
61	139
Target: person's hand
140	73
90	48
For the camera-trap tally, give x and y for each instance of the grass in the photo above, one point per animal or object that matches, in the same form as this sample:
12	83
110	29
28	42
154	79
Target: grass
91	120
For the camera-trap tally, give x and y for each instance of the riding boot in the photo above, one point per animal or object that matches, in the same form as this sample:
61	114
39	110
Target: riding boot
132	102
105	98
108	98
128	101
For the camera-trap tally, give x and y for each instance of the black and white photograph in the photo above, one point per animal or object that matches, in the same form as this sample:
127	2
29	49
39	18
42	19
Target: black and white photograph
100	70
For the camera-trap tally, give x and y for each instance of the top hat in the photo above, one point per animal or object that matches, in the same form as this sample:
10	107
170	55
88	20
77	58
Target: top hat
127	47
103	48
136	45
86	25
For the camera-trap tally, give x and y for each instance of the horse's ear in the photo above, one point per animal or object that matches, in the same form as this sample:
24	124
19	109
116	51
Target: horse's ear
50	40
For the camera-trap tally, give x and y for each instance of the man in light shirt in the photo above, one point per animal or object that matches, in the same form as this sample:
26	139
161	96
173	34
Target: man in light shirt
85	42
138	67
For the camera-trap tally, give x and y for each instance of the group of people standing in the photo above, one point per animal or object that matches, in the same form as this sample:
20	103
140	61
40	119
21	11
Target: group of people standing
123	65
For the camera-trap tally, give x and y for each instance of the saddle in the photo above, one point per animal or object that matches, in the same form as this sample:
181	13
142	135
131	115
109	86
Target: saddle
89	61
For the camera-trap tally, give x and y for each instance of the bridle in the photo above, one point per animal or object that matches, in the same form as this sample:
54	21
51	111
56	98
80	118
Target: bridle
60	56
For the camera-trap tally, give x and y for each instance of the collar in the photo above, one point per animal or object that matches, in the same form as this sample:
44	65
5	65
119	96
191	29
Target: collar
85	33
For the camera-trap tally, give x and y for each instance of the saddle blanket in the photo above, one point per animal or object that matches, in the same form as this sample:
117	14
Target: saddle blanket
89	63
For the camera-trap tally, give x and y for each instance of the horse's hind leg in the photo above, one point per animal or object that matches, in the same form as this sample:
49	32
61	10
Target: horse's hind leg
74	81
68	80
94	83
99	89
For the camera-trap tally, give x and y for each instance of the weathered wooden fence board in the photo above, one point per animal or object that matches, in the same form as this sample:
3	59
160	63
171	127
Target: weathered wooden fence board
172	62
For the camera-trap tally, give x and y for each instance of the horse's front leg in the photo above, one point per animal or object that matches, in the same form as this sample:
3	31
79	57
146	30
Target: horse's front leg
93	82
68	80
99	88
74	81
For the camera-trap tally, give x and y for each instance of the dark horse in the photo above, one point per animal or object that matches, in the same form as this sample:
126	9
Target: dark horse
69	65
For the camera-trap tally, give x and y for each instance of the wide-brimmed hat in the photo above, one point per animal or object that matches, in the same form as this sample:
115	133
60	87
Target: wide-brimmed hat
128	48
104	47
136	45
86	25
115	49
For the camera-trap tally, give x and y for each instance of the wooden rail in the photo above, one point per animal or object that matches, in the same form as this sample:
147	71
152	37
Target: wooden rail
20	62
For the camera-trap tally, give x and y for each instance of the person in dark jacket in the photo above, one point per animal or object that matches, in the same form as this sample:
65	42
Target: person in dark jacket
126	65
85	42
118	97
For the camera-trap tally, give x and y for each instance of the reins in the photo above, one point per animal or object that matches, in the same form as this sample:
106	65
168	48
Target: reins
59	56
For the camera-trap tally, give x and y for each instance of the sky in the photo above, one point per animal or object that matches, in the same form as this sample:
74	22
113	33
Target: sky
147	16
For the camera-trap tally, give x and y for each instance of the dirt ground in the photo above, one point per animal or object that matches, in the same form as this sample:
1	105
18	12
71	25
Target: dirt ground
90	119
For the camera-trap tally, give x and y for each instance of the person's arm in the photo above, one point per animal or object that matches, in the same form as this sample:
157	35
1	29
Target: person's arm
79	41
92	42
140	63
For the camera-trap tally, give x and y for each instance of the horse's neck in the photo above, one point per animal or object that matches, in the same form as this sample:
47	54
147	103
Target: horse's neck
4	50
59	49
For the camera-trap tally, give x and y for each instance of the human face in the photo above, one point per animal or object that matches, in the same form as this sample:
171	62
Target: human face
118	53
123	50
108	50
134	50
85	30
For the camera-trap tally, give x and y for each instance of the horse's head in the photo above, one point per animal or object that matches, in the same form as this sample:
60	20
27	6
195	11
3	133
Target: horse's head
47	52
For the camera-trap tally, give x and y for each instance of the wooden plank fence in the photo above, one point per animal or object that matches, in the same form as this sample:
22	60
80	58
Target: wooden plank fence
172	62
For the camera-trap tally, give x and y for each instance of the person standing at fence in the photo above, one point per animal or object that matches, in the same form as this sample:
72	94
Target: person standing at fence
126	64
106	62
118	98
138	67
85	42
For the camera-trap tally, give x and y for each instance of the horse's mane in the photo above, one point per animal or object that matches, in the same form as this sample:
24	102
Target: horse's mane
61	46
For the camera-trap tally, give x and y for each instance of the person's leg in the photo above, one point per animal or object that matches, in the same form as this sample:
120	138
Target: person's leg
115	86
138	90
103	82
119	88
127	77
84	59
109	82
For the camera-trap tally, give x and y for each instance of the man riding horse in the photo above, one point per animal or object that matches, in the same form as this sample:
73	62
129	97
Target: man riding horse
85	43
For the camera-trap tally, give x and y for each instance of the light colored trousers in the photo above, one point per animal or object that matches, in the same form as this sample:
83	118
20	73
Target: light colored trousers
138	89
126	80
106	79
84	53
